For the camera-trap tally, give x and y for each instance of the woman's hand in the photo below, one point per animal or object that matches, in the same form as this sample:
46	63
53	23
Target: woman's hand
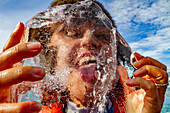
149	74
14	52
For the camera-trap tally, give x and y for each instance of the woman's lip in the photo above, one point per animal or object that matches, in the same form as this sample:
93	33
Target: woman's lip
89	53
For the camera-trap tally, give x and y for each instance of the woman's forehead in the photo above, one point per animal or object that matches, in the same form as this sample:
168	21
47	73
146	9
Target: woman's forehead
81	23
72	13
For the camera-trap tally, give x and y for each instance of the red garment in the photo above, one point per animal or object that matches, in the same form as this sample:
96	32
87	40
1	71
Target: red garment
54	108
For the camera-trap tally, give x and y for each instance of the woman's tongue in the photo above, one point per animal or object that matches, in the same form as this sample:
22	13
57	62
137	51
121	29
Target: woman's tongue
88	72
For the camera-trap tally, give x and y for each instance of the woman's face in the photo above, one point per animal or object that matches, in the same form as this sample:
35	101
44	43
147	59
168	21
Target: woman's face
83	53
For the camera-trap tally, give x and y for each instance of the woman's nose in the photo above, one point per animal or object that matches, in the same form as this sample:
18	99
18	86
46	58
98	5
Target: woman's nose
89	40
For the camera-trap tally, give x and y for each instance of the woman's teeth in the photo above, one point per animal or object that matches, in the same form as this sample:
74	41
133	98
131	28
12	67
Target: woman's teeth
86	60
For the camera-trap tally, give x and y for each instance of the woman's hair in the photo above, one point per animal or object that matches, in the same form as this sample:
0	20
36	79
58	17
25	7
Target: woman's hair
62	2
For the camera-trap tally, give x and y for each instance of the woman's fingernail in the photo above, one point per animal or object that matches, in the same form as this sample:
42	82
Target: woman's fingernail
138	56
17	26
34	46
38	72
36	107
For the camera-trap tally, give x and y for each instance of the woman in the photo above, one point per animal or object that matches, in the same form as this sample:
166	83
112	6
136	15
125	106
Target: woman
149	98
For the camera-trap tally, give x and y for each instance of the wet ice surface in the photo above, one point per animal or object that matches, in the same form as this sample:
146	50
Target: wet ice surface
55	87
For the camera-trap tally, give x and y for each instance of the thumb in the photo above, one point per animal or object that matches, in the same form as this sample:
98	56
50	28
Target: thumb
151	100
25	107
123	75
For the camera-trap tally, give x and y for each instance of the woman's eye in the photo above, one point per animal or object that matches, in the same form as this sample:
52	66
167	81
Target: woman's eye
62	30
103	37
71	34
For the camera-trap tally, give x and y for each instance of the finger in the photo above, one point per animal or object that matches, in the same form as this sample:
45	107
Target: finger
138	56
149	61
19	74
151	97
15	36
159	76
123	74
25	107
148	86
18	52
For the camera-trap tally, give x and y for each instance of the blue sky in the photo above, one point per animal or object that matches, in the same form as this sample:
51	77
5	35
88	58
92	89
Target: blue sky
145	24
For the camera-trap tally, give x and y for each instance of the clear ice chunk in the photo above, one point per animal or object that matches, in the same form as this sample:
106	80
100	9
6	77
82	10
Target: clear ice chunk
81	80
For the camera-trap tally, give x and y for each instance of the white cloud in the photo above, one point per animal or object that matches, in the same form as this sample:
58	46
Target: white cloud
130	15
156	45
157	13
125	11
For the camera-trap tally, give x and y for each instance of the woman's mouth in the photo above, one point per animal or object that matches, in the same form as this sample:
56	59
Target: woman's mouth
87	66
87	60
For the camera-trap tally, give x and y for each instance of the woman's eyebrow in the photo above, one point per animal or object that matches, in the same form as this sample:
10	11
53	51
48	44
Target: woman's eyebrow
103	28
56	27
